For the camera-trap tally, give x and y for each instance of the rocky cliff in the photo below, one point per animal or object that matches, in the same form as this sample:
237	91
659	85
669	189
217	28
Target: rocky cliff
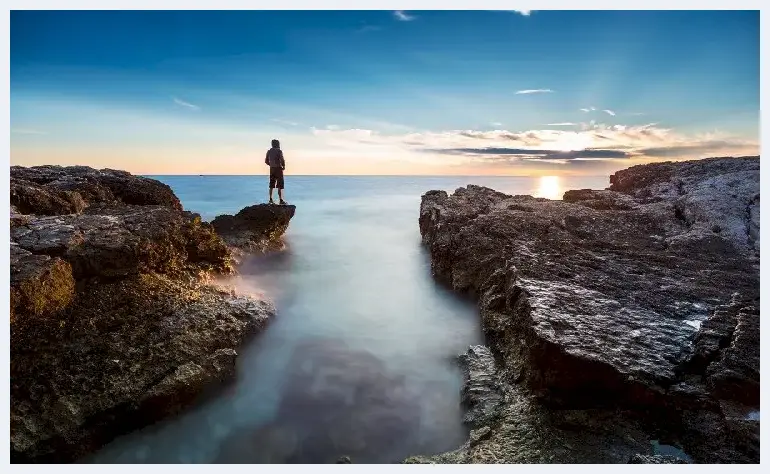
641	297
113	322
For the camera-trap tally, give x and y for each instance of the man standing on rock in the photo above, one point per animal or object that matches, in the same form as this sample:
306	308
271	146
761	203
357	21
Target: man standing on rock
274	159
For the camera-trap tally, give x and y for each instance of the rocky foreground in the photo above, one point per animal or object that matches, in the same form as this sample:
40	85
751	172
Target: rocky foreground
614	317
114	324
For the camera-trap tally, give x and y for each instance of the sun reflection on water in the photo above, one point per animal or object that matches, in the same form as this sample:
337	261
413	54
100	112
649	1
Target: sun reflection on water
549	188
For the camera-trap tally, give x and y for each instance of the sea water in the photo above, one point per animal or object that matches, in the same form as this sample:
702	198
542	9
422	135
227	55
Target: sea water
360	359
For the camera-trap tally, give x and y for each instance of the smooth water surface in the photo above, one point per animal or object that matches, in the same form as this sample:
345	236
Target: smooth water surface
360	359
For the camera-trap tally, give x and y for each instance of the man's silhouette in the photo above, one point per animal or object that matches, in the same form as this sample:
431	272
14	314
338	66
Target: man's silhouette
274	159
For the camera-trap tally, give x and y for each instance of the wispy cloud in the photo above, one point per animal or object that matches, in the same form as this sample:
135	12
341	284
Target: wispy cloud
561	124
496	124
285	122
545	154
368	28
534	91
27	131
182	103
402	16
588	109
610	112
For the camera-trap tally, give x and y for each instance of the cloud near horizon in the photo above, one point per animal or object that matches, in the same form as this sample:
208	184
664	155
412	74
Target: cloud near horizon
534	91
592	142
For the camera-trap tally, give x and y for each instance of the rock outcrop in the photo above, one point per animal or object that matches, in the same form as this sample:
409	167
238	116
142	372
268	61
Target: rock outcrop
595	301
255	228
114	323
54	190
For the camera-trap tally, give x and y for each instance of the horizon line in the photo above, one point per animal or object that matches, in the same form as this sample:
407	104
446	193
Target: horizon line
389	175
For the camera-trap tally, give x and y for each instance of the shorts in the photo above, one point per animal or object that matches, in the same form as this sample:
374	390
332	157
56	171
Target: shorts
276	178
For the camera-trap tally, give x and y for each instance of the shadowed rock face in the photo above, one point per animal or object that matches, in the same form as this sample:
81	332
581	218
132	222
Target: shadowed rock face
510	426
595	300
255	228
112	323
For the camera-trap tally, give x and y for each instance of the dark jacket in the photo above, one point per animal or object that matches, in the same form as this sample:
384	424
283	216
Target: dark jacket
274	158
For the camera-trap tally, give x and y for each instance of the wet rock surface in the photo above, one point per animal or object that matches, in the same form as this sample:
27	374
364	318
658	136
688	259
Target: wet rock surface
114	322
255	228
642	297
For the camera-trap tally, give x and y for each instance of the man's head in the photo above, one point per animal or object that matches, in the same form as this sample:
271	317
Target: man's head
275	143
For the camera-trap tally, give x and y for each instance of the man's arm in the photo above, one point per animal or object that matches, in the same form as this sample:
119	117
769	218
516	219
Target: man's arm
267	158
283	163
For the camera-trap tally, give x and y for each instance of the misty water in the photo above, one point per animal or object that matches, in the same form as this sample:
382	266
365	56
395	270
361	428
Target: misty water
361	357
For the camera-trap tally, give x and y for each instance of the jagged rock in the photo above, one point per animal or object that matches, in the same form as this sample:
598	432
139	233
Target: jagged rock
728	346
124	240
17	218
123	355
596	300
255	228
587	304
721	192
28	196
55	190
600	199
113	324
482	392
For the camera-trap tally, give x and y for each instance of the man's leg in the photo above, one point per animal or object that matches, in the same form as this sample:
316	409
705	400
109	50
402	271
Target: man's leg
280	187
272	184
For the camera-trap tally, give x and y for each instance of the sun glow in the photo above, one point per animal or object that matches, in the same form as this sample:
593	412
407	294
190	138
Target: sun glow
573	142
549	187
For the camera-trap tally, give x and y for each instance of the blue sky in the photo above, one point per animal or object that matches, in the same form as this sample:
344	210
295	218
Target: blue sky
382	92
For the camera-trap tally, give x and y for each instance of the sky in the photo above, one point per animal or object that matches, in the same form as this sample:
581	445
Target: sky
382	92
